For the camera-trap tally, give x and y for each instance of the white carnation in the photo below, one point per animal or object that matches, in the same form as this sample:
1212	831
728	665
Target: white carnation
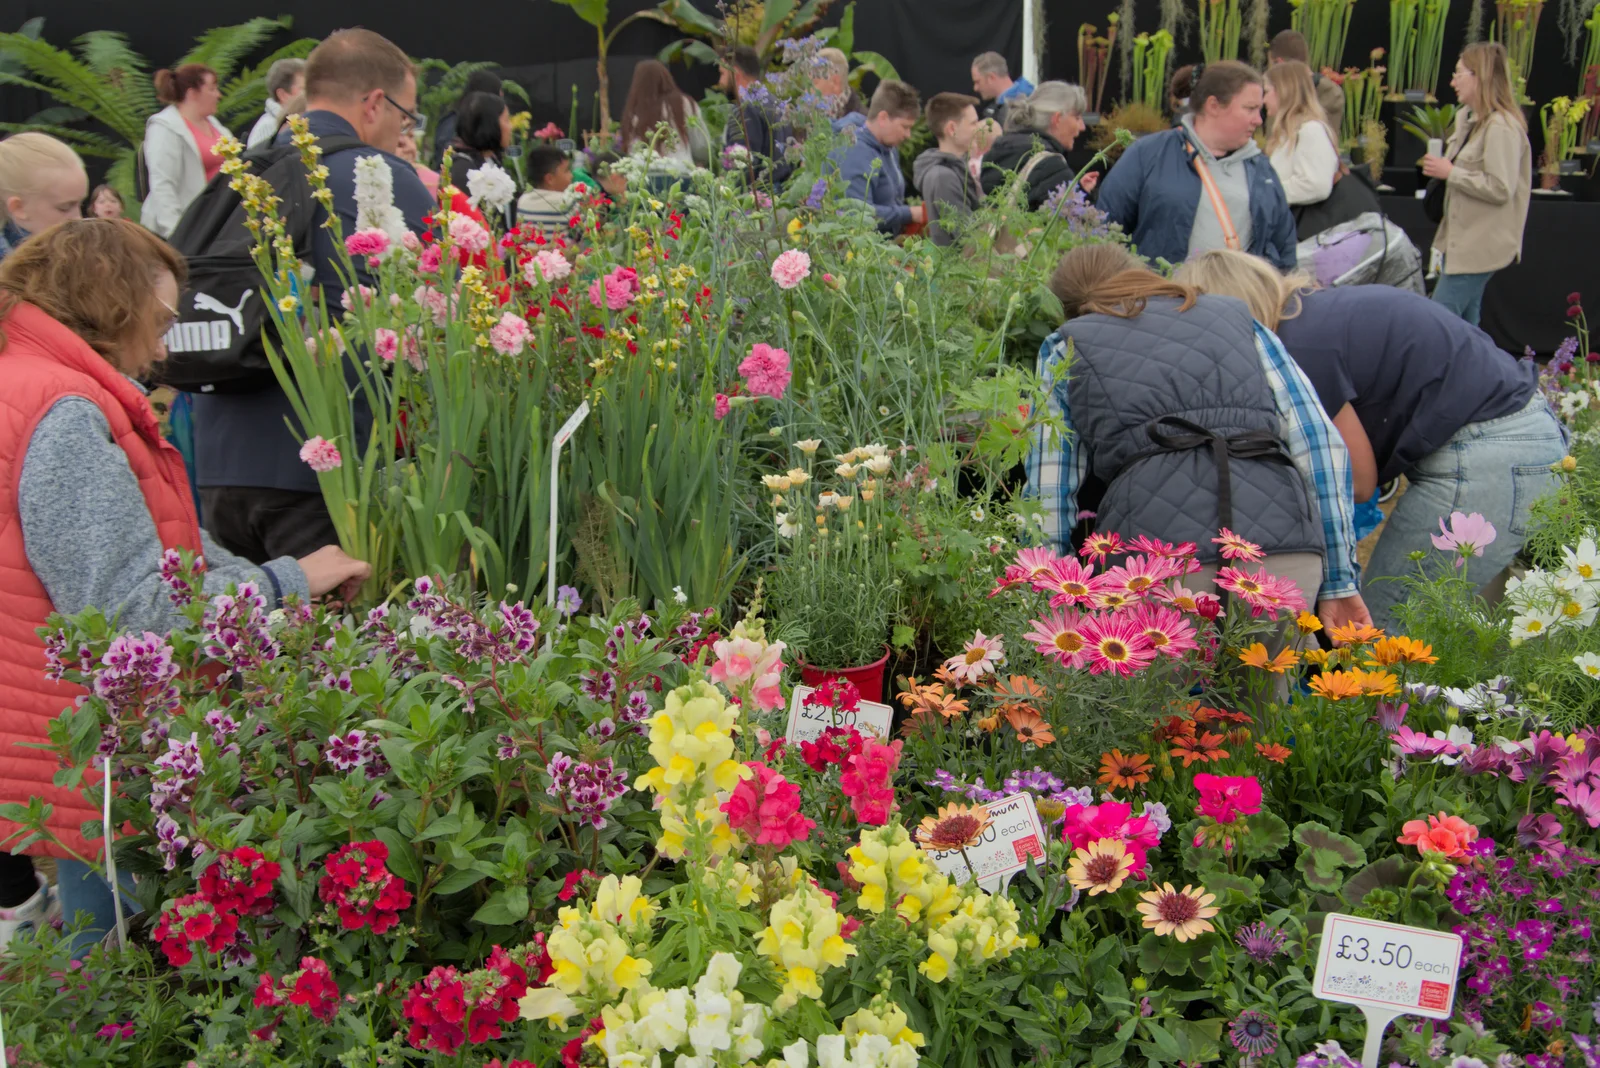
490	186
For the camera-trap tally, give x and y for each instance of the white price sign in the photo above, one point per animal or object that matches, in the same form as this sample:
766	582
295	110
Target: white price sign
1387	970
1014	834
807	722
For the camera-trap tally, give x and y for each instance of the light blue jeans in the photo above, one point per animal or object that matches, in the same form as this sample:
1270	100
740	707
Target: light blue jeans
1462	294
83	888
1497	468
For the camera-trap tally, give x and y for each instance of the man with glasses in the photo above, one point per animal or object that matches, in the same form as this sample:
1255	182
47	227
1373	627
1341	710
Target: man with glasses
260	499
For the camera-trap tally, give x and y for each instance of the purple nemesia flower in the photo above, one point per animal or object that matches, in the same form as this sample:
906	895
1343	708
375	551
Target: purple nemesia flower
508	748
1586	1046
944	780
236	630
636	709
169	843
567	601
180	590
602	730
600	686
586	788
172	781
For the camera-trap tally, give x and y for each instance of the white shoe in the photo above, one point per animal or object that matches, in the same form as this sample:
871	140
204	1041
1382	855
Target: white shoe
32	914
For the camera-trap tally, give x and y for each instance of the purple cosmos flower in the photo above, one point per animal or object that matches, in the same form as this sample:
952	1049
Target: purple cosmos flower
1261	941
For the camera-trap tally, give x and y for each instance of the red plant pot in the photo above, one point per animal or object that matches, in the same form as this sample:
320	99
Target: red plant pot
868	678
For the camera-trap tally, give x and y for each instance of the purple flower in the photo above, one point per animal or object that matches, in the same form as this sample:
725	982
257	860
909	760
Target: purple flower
1466	535
348	752
1261	941
180	589
1254	1033
169	843
1156	813
944	780
175	773
1037	781
1583	801
586	789
1541	754
1585	1045
1390	716
519	630
134	677
508	748
819	189
1540	831
122	1030
1414	743
602	730
636	709
600	686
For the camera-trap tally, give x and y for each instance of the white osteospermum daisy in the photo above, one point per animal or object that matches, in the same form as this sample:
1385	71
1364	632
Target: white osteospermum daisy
1589	664
1460	737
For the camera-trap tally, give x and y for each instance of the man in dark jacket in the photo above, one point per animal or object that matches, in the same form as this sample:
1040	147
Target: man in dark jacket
943	177
870	168
1159	194
757	122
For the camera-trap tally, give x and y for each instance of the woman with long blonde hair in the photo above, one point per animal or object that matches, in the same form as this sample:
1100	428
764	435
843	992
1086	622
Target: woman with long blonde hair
1190	417
1302	146
1487	170
1414	391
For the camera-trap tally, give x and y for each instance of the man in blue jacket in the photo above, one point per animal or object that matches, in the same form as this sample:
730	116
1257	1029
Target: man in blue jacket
870	167
1204	184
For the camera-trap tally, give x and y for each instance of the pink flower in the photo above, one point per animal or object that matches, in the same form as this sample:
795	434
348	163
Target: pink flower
868	781
722	407
510	335
619	288
766	809
548	132
1227	797
430	259
750	667
1416	743
347	304
386	343
790	268
546	266
367	243
410	241
766	371
320	454
1465	536
982	656
434	302
1083	824
467	234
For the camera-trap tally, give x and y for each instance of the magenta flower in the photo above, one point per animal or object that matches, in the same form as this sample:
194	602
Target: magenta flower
1583	801
1540	831
766	371
1465	536
367	243
791	268
1417	743
320	454
722	406
510	335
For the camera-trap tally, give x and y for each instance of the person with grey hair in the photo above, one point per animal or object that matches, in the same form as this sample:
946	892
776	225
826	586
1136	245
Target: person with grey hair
286	80
1040	129
832	83
992	81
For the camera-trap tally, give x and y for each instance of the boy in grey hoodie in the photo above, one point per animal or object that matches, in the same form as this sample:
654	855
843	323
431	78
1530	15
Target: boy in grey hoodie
949	191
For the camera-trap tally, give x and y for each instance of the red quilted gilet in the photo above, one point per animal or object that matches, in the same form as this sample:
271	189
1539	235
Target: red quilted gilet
43	361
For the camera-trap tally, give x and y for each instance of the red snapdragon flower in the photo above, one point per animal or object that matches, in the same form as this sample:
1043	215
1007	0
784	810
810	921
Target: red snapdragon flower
193	919
835	745
357	881
240	880
766	809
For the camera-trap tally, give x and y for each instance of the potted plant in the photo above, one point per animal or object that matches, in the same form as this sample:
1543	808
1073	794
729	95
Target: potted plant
1416	45
834	587
1151	51
1562	120
1094	61
1219	29
1326	24
1427	122
1516	27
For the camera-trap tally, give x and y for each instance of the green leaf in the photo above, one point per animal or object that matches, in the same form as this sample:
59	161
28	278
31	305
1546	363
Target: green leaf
402	855
1158	954
455	882
594	12
1323	852
844	37
1267	835
874	63
504	908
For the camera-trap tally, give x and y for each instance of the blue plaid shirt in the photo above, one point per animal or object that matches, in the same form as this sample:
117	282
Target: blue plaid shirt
1055	474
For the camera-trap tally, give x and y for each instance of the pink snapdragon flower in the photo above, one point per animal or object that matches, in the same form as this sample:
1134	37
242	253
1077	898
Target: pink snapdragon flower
766	809
868	780
749	667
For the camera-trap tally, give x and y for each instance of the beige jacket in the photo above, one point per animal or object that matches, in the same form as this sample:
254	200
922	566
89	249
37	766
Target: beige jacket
1330	94
1486	195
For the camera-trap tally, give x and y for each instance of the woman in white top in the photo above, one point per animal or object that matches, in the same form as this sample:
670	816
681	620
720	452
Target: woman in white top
1300	143
654	98
180	144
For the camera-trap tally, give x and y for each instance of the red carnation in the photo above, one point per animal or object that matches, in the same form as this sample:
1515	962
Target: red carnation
240	881
357	881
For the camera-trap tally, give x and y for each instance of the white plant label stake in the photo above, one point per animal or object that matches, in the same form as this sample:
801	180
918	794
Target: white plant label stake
111	865
1386	970
563	435
1014	834
807	722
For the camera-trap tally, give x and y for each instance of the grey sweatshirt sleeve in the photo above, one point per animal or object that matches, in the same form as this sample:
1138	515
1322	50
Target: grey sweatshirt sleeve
91	539
944	196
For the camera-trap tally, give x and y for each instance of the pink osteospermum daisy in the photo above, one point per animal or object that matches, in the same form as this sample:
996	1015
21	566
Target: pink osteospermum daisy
1116	645
1060	635
982	656
1113	600
1138	575
1036	561
1285	595
1015	575
1419	743
1168	632
1101	545
1233	547
1069	582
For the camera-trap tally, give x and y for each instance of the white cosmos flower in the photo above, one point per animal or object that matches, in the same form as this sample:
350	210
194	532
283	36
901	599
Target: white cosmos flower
1589	664
1534	624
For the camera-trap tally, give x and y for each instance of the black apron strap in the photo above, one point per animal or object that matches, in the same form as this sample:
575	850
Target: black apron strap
1171	433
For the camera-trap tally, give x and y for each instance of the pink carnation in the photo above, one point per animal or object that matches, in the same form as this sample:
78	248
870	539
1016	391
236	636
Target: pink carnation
320	454
367	243
467	234
546	266
791	268
510	335
366	292
430	259
386	343
722	407
868	781
766	371
620	286
436	303
548	132
410	241
766	809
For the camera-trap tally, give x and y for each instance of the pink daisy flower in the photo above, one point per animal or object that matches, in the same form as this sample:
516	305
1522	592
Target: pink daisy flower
982	656
1138	575
1036	561
1465	536
1144	543
1168	632
1069	582
1116	645
1419	743
1233	547
1261	591
1101	545
1060	634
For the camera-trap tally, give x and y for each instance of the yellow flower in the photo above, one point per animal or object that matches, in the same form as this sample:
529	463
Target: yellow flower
620	902
802	938
1256	656
794	227
777	483
798	476
981	929
287	304
881	1017
1307	623
692	745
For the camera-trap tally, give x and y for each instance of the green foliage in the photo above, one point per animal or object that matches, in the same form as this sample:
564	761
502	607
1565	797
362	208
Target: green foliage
1322	853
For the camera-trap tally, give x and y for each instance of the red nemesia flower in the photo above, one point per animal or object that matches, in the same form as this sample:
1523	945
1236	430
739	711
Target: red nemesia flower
192	919
240	881
448	1009
359	884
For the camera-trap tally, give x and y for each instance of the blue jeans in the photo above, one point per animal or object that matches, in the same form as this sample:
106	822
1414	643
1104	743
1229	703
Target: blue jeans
1497	468
1462	294
83	888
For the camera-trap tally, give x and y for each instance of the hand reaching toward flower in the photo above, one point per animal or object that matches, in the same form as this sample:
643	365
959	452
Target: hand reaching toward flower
1343	611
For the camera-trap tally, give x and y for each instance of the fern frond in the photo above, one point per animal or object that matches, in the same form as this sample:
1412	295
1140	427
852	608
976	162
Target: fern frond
243	94
88	144
222	48
57	73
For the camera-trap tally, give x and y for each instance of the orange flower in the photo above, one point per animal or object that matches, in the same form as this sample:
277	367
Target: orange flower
1239	736
1336	685
1445	834
1203	715
988	723
1273	751
1173	727
942	675
1387	651
1307	623
1256	656
1354	634
1017	691
1029	727
1319	657
931	698
1122	772
1376	683
1203	749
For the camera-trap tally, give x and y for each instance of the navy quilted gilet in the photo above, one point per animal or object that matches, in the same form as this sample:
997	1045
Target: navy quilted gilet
1199	366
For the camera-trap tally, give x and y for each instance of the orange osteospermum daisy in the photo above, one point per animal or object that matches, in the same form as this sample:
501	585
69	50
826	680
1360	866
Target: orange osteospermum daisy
956	826
1203	749
1238	736
1173	727
1029	726
1101	868
1017	691
1256	656
1183	914
1354	634
1336	685
931	698
1319	657
1387	651
1376	683
1123	772
1273	751
1307	623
